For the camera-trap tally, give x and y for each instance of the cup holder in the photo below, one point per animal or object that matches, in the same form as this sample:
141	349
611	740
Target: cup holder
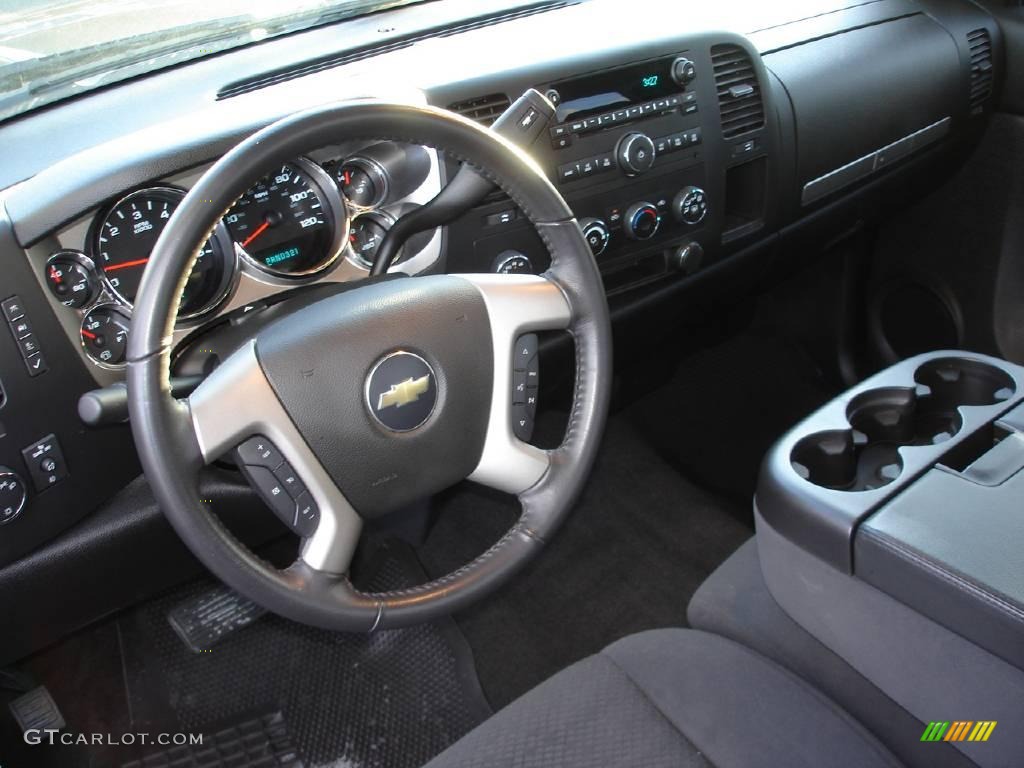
845	460
866	455
954	381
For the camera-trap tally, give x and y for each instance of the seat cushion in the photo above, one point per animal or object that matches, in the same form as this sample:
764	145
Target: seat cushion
670	697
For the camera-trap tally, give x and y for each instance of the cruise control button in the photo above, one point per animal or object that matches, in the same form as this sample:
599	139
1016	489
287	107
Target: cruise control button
307	515
290	479
258	451
273	492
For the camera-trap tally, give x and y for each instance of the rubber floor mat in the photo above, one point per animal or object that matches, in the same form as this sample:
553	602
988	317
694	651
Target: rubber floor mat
393	698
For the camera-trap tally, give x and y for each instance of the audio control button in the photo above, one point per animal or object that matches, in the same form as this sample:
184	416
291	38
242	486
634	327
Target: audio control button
635	153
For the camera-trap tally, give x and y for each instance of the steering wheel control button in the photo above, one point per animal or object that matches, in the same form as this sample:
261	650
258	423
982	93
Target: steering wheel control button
307	515
274	493
525	378
290	479
401	392
12	495
258	451
45	463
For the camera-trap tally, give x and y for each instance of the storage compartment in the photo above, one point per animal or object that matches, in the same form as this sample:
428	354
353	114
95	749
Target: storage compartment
845	131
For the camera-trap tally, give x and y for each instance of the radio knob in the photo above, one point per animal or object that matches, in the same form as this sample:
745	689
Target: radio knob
641	221
596	233
635	153
12	495
683	71
690	206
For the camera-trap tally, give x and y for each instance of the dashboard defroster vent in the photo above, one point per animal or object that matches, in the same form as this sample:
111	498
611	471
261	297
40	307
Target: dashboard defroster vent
739	93
484	109
342	58
981	68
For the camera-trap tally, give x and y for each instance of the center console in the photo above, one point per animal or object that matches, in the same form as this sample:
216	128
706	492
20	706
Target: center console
890	525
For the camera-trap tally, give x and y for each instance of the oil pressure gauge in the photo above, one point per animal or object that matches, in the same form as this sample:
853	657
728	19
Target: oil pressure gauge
71	278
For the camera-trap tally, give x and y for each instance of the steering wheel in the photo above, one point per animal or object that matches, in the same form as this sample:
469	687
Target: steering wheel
434	352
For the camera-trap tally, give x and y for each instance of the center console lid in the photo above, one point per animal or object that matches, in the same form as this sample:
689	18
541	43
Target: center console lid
913	482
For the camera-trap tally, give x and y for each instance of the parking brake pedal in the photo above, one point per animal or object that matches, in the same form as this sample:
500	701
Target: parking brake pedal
204	621
36	710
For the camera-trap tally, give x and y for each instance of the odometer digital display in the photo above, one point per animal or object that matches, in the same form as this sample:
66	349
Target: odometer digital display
284	223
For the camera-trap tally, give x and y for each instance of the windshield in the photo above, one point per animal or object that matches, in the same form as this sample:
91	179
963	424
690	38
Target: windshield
51	49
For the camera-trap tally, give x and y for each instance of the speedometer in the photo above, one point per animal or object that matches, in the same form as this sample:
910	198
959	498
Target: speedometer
286	224
123	239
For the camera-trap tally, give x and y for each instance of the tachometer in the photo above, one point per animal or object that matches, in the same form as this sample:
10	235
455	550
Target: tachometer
123	239
286	224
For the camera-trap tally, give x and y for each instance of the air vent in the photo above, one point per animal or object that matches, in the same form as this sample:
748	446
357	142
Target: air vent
312	66
484	110
981	68
739	93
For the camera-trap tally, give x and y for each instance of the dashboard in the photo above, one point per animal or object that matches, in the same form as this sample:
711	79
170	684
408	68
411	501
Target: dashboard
688	150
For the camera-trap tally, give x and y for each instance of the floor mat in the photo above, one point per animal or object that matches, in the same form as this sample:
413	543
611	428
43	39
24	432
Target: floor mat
726	406
393	698
637	546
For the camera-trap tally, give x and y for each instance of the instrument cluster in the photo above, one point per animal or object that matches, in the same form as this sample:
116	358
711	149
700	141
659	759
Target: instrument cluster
295	225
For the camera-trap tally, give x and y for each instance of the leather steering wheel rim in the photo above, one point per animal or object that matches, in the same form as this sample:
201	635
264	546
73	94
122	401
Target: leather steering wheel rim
169	434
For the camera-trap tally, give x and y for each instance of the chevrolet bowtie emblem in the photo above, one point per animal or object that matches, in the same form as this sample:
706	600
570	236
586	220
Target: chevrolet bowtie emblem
403	393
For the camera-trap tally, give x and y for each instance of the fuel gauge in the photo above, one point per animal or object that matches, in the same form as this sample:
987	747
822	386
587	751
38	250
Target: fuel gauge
105	334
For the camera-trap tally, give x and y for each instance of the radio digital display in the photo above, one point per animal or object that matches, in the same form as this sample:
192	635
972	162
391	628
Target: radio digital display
600	90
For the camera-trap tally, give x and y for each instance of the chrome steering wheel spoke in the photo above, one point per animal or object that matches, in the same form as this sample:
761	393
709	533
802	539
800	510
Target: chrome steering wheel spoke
237	402
516	305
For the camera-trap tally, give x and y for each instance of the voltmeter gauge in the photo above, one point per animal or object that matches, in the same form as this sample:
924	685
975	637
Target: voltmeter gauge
105	334
71	278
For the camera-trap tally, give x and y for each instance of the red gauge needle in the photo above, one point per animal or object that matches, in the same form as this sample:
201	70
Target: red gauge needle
55	275
258	231
88	334
348	177
126	264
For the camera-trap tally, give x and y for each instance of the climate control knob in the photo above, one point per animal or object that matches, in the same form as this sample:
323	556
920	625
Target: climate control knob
690	206
683	71
641	221
596	233
512	263
635	153
12	495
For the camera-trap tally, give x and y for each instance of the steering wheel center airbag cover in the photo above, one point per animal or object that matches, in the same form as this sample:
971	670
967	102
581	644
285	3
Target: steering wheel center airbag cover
390	385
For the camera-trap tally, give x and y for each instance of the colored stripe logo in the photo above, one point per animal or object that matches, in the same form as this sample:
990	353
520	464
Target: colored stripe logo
958	730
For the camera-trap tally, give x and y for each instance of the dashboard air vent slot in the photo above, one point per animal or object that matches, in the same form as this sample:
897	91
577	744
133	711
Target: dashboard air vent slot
739	93
981	68
484	109
313	66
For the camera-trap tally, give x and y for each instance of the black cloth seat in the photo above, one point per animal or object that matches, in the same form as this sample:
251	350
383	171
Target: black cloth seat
670	697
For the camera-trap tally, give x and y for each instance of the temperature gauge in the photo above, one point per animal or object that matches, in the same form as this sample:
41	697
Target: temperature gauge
70	277
105	334
363	182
